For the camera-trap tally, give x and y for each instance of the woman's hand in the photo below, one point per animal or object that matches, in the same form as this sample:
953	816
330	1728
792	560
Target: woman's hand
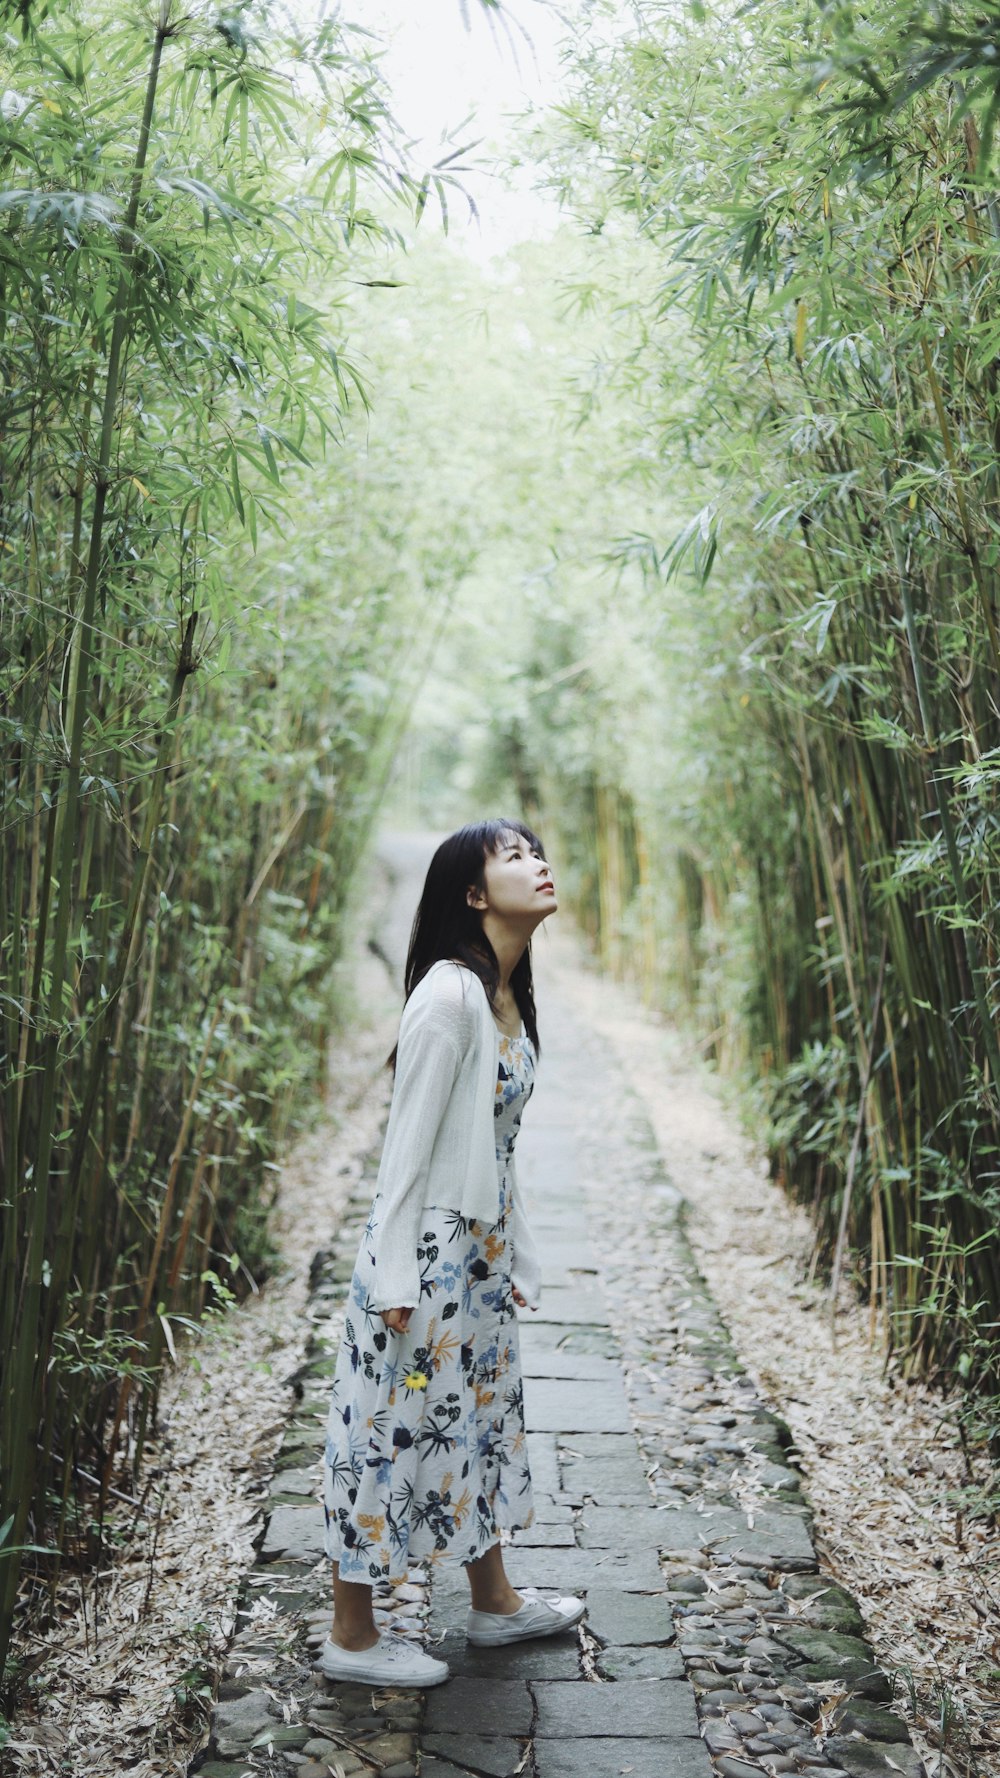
396	1320
518	1298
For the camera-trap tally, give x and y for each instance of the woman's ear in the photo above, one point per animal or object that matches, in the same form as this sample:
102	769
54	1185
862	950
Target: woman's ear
475	897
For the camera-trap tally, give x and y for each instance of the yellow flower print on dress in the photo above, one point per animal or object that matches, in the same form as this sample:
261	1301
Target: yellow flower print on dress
416	1380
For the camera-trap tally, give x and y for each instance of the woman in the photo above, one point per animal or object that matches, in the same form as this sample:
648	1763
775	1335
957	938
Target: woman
426	1454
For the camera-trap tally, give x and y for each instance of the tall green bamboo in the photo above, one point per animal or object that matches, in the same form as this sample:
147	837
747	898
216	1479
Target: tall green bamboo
814	351
194	711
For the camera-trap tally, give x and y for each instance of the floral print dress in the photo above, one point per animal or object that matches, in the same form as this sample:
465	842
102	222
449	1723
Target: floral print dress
425	1448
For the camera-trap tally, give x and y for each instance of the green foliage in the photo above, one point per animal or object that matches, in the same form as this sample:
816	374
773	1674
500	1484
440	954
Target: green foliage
210	631
816	188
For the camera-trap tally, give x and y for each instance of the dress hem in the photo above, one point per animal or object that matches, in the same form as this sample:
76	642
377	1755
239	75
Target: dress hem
435	1558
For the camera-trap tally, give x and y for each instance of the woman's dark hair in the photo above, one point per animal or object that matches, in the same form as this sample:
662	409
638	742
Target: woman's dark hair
446	926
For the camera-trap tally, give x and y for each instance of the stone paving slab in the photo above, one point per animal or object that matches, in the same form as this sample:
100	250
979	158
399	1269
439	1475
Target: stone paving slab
577	1336
597	1446
683	1757
561	1270
618	1475
641	1706
614	1527
568	1407
564	1257
640	1663
725	1529
546	1477
298	1482
609	1485
622	1620
572	1571
550	1511
476	1753
546	1535
861	1760
571	1307
484	1706
553	1657
575	1366
602	1448
293	1531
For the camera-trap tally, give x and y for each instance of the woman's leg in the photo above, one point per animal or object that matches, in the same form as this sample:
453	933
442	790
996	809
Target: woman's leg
353	1619
488	1583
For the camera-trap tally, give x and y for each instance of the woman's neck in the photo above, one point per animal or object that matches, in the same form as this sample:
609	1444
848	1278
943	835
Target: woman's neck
509	946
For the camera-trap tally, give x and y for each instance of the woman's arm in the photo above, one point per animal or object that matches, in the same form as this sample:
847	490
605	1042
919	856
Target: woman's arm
431	1047
525	1268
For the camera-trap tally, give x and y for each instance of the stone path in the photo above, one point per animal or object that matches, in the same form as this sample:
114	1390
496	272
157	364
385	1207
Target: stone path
597	1532
665	1492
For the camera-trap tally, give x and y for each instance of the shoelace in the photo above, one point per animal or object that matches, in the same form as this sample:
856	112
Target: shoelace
399	1650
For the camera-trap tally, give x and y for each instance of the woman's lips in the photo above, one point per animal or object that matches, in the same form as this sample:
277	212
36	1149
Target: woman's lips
545	889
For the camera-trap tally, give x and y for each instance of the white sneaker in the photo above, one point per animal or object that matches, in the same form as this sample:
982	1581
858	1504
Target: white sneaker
538	1616
390	1661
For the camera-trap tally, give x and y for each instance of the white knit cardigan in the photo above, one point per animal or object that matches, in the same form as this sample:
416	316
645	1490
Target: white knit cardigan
439	1144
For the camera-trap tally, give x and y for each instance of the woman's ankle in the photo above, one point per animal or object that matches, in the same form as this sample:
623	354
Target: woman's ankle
503	1600
354	1640
353	1626
491	1590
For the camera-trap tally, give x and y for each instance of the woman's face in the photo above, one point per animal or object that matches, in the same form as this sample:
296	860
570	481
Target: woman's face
517	882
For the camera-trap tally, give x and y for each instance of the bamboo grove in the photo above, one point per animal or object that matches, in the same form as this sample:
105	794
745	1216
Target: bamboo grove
208	645
815	186
712	597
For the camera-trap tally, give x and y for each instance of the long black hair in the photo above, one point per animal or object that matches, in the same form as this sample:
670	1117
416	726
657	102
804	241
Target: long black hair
446	926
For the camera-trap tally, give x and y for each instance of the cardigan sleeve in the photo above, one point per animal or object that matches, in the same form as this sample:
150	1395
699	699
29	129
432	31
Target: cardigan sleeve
433	1037
525	1270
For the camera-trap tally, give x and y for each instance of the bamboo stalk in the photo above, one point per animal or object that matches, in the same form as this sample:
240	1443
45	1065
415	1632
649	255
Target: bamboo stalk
27	1357
852	1158
206	1148
968	533
987	1027
143	1028
153	1266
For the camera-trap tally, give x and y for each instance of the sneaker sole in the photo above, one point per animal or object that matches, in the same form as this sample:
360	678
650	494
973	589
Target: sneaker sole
366	1676
479	1640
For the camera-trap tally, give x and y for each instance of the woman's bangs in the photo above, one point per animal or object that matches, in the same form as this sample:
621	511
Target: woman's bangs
497	832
